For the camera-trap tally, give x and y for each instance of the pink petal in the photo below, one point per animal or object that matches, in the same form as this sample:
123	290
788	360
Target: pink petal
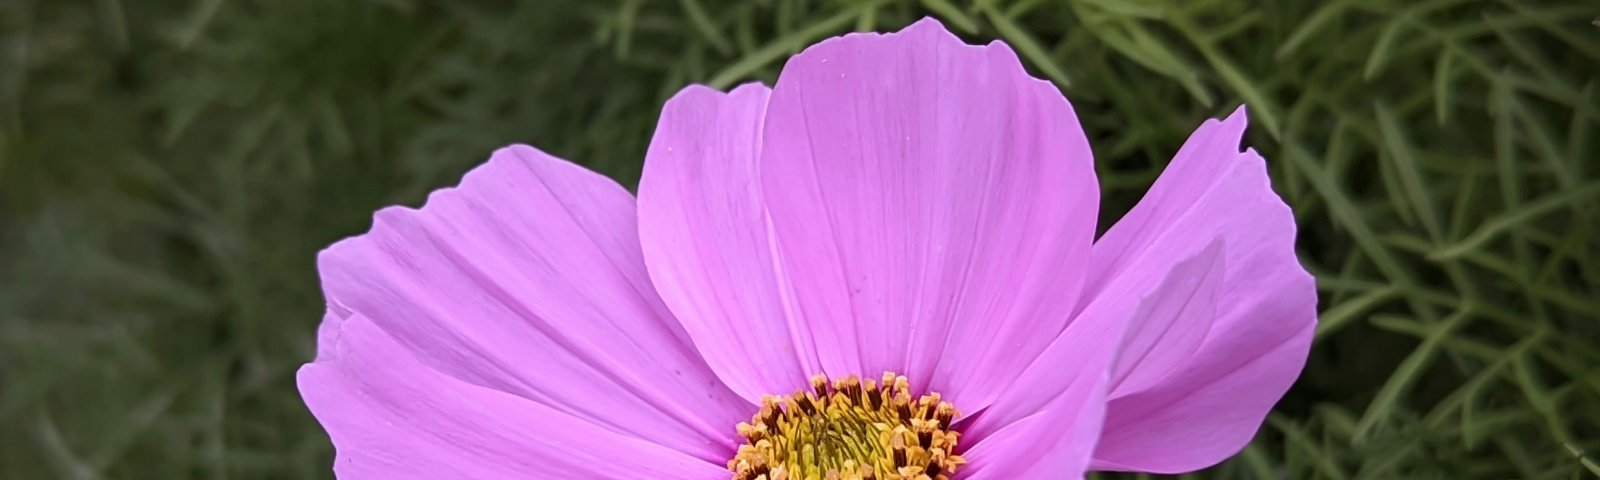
328	333
1102	345
1170	323
704	230
1054	443
391	417
1046	425
933	207
1027	425
1213	403
528	279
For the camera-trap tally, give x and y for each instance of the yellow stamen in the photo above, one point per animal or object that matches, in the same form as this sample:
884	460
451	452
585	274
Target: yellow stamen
849	430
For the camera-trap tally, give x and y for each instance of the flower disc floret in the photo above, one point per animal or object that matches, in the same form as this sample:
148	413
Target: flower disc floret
850	429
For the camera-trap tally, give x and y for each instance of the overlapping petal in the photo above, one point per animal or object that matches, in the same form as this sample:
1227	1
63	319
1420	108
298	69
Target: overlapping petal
1054	442
1170	322
1181	412
1046	424
703	225
1077	371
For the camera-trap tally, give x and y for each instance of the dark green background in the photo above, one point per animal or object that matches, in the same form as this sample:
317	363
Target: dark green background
169	168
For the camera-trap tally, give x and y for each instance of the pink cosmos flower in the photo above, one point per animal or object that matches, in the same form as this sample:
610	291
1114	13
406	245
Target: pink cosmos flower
899	203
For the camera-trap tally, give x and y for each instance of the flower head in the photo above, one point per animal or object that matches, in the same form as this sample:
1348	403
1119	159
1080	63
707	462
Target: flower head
902	203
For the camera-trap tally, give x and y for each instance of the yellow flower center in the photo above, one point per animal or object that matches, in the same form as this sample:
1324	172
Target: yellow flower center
849	430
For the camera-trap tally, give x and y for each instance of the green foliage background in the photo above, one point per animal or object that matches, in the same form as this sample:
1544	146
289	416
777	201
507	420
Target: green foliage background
168	169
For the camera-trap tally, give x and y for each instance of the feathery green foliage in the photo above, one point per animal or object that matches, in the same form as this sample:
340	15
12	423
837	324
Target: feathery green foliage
169	168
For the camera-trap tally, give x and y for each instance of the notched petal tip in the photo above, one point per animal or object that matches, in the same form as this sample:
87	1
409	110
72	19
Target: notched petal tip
502	158
925	36
506	157
1240	114
696	93
330	332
